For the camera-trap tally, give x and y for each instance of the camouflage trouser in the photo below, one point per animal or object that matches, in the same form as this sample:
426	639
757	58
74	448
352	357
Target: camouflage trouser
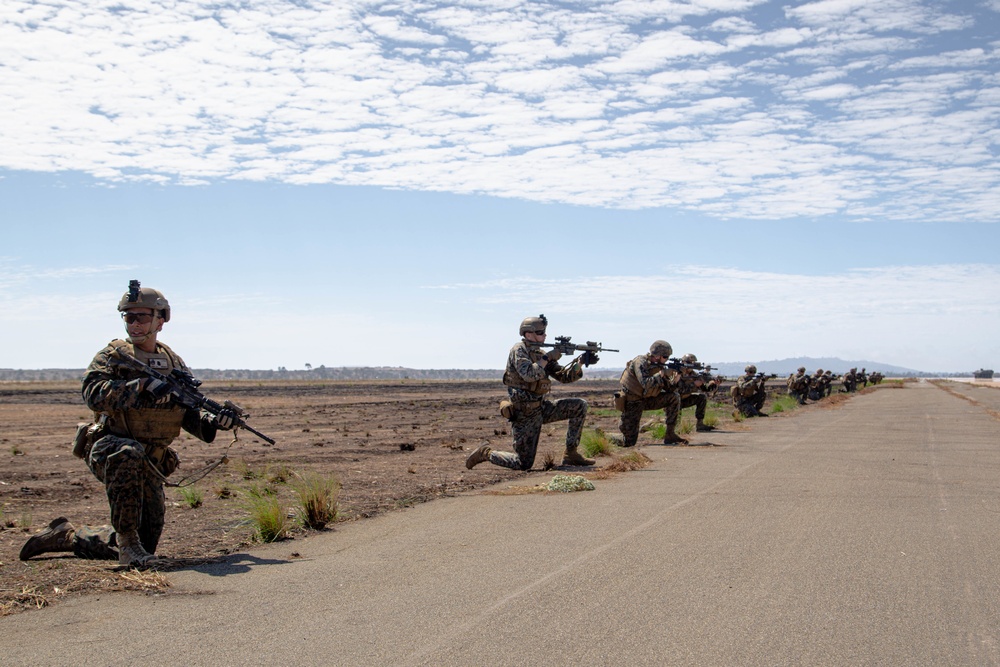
135	494
698	400
749	406
628	424
527	427
97	543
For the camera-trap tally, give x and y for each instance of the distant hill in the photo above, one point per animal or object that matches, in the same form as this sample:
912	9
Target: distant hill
727	368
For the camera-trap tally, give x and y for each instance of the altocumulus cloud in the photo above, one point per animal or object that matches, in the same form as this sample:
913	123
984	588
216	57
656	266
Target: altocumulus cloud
735	109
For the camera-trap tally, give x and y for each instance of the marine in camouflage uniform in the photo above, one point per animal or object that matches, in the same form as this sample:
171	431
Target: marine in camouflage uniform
850	381
828	379
646	385
691	388
798	385
130	452
819	384
528	376
749	393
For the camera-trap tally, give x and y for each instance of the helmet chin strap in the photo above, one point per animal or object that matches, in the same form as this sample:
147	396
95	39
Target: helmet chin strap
136	340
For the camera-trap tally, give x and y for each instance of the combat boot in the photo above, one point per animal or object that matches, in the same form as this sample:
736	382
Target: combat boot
702	427
671	437
482	453
575	458
60	535
132	553
617	440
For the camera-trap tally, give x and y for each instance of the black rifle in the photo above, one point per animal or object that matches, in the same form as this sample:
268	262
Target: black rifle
565	346
184	391
676	364
766	376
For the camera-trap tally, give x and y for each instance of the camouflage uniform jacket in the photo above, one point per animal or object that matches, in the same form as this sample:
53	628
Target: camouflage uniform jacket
685	383
641	379
747	385
799	382
132	415
527	380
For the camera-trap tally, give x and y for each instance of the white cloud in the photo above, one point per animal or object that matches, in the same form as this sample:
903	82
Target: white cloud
641	97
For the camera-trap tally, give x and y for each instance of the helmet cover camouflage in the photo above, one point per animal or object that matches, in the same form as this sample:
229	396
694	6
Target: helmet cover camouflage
750	369
802	369
144	297
689	359
539	323
661	348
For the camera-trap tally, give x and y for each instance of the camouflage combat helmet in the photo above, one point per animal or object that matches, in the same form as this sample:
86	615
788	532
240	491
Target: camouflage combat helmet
661	348
750	369
689	359
539	323
144	297
802	369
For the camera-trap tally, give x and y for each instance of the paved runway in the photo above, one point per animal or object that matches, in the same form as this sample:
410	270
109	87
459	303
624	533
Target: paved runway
866	534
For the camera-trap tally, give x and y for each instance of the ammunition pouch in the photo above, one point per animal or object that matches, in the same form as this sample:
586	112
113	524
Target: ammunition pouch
619	400
163	459
86	435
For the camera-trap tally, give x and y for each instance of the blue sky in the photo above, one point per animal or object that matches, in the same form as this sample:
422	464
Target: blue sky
399	183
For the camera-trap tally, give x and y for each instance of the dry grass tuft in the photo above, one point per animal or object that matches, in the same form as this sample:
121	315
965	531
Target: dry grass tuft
145	581
317	496
27	597
629	461
83	578
622	462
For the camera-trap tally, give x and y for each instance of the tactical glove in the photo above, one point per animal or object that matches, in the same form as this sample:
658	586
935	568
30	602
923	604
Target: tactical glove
226	419
148	390
553	355
589	358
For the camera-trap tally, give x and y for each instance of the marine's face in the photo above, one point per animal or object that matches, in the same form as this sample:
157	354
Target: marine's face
141	322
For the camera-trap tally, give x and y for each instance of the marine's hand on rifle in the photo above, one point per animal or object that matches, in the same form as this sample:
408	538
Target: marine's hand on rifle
589	358
149	389
552	355
226	419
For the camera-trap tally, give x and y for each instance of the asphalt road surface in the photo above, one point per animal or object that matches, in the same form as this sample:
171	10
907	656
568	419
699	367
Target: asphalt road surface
866	534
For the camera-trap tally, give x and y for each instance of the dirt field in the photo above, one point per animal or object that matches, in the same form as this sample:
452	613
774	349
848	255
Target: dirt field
354	430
